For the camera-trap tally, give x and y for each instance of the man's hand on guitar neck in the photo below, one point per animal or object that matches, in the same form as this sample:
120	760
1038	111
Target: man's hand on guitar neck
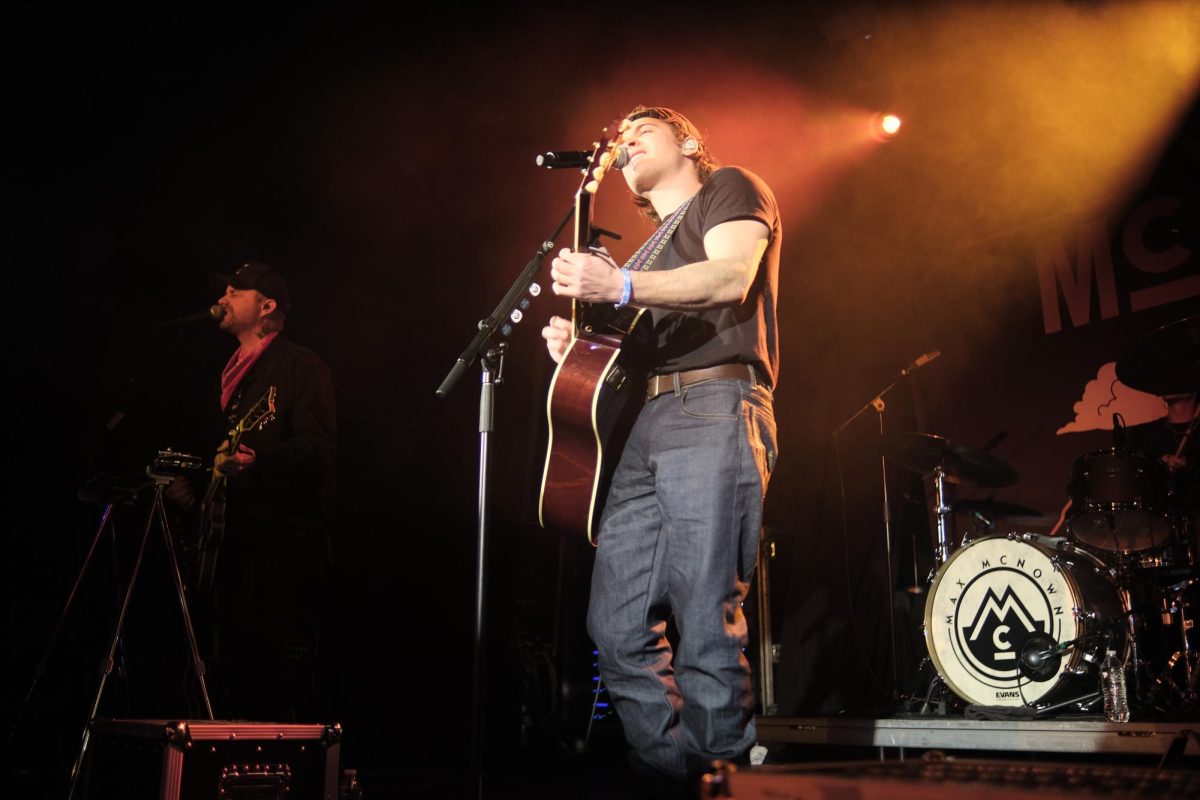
227	464
592	276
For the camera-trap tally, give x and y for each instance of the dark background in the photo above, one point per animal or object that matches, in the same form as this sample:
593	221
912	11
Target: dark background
383	159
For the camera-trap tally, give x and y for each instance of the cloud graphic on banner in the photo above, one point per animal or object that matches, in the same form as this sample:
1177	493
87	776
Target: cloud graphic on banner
1104	396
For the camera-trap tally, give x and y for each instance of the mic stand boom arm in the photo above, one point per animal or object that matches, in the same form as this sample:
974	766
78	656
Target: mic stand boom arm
491	360
514	300
878	404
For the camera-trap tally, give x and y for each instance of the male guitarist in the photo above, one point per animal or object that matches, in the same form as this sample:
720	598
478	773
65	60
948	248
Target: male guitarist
266	527
679	533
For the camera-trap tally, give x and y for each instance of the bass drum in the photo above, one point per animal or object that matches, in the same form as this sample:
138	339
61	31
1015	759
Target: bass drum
995	594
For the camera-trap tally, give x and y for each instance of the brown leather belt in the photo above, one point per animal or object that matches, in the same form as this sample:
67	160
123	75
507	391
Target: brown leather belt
661	384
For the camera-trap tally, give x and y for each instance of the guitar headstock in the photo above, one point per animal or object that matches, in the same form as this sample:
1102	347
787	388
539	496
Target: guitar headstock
604	156
260	414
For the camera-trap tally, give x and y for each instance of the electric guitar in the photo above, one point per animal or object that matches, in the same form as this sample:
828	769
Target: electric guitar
595	392
212	506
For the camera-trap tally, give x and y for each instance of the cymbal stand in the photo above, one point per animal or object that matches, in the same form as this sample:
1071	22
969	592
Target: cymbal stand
943	511
157	510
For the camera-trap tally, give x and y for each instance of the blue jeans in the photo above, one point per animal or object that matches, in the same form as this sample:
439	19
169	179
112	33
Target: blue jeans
679	536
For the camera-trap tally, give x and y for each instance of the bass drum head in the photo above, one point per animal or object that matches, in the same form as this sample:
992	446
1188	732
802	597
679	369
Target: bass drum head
986	601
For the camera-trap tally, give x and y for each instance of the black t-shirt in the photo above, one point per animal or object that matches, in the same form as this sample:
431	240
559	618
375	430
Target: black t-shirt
748	333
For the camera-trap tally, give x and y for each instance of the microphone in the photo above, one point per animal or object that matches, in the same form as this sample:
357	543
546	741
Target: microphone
1041	656
920	361
982	520
578	159
214	312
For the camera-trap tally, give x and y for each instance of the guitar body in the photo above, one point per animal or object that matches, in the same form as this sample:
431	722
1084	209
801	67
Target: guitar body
212	533
596	391
594	399
212	505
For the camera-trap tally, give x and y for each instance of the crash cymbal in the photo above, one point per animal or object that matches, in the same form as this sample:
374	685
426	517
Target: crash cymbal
1165	361
925	452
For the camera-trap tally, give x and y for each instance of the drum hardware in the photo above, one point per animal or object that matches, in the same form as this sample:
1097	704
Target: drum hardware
936	695
945	460
984	515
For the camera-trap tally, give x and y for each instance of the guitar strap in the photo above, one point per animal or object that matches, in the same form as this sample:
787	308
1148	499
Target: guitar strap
648	252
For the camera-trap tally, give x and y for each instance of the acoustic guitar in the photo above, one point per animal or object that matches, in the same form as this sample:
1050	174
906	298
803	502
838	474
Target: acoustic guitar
596	390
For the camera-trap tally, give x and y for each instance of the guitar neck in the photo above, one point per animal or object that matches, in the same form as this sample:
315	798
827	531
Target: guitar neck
214	484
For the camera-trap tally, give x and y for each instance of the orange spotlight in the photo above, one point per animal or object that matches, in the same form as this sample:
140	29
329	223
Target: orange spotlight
884	126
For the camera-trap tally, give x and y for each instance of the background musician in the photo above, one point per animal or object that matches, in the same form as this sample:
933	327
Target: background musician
274	551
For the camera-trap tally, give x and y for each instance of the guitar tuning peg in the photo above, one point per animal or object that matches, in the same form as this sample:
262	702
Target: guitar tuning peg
505	329
523	303
591	186
535	289
516	315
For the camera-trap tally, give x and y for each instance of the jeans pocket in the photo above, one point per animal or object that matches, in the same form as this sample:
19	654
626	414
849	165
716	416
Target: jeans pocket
764	427
715	399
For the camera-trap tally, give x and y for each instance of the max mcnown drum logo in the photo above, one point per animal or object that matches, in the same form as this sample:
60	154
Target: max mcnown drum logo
988	599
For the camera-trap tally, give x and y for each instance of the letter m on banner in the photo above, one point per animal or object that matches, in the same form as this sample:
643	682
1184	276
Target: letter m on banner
1093	265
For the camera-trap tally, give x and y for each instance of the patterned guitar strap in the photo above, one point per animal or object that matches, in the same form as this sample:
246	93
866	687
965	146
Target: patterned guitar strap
648	252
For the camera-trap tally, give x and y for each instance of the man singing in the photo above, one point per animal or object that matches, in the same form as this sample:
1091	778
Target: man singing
266	594
680	528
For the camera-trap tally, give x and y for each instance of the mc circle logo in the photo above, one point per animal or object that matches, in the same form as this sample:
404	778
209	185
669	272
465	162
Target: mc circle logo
999	609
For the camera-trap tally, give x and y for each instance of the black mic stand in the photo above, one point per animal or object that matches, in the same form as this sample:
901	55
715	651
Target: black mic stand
880	406
491	361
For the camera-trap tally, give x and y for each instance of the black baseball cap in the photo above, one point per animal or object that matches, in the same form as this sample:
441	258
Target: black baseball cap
264	279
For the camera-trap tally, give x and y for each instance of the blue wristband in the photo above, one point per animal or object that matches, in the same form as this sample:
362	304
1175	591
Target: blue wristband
626	290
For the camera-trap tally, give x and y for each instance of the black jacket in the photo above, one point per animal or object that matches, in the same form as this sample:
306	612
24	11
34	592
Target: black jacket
290	486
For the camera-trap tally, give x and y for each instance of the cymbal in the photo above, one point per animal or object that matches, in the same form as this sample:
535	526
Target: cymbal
925	452
1165	361
999	508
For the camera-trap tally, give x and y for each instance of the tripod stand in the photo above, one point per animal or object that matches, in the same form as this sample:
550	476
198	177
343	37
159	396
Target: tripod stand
157	510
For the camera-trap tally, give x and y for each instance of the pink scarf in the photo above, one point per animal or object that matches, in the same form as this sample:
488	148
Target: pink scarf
239	364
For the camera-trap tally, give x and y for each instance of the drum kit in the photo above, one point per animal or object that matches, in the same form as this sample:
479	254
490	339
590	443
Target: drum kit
1019	622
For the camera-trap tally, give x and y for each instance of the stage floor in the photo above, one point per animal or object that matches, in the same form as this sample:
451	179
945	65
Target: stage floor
950	733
